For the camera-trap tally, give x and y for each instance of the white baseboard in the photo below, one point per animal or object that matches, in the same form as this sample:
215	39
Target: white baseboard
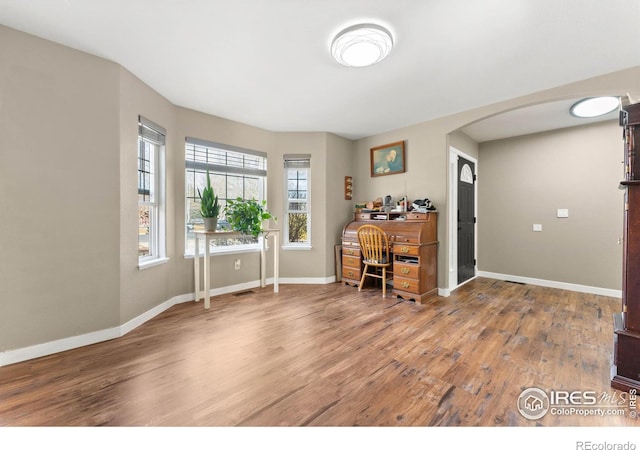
327	280
447	292
69	343
145	316
60	345
553	284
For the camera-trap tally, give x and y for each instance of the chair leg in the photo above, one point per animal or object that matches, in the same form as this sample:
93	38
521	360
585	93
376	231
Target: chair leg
384	282
364	274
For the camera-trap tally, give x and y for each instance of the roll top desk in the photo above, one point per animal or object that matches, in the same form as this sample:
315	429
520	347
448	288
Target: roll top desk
413	239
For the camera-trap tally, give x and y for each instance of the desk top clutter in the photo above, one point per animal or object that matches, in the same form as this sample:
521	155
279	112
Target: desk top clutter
388	205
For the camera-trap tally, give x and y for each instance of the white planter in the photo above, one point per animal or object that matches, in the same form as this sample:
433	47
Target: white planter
210	223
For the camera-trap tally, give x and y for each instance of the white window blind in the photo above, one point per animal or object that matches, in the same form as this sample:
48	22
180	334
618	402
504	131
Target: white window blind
151	220
298	200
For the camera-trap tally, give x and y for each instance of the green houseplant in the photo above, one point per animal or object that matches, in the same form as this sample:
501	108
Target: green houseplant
247	215
209	206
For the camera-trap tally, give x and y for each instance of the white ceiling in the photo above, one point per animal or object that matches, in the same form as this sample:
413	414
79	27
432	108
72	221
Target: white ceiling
267	63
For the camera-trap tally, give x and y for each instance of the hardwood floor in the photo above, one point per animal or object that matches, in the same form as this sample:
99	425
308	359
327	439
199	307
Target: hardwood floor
330	356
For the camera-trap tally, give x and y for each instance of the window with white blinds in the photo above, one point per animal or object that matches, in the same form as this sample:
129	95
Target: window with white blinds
151	216
297	170
235	173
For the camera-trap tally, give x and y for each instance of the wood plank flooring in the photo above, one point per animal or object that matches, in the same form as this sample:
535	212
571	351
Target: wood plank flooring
330	356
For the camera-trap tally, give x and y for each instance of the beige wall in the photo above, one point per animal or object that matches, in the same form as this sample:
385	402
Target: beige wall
308	263
338	211
141	290
59	202
425	176
525	180
464	143
331	161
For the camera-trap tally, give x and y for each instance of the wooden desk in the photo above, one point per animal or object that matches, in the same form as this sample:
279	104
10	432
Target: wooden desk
208	236
414	252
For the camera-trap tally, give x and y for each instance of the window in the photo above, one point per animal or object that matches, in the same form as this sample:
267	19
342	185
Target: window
235	172
151	223
298	201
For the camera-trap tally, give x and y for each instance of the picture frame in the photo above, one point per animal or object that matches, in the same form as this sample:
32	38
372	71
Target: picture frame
388	159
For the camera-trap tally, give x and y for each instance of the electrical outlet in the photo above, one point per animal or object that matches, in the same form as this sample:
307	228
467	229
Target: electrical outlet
236	264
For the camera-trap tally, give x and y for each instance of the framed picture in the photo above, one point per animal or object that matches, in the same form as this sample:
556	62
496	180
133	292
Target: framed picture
387	159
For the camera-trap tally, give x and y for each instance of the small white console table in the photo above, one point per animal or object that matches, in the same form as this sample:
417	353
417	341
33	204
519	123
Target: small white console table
208	236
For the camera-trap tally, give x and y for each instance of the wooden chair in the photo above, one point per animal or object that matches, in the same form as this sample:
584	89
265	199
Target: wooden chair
374	245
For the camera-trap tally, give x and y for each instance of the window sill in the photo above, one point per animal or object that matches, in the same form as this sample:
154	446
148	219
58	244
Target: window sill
297	247
152	263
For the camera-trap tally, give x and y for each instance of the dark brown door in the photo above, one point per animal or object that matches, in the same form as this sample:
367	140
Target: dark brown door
466	220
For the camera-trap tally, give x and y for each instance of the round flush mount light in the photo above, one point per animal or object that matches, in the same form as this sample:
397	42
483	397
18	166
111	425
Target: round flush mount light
361	45
594	106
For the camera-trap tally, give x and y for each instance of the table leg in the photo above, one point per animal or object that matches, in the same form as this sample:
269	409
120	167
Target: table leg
207	270
276	262
263	262
196	269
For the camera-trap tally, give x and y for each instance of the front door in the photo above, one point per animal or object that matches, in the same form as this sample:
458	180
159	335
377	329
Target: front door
466	220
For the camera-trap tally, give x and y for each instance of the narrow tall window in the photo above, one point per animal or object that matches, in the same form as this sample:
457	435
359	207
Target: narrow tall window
151	222
297	169
235	172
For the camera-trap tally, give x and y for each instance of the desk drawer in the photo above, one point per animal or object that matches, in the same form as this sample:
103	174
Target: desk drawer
351	273
406	270
406	284
346	251
351	261
403	249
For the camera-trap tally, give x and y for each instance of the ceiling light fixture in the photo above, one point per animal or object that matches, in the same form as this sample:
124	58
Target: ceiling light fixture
594	106
361	45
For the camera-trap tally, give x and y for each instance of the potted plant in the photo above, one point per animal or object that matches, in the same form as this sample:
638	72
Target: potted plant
209	206
246	216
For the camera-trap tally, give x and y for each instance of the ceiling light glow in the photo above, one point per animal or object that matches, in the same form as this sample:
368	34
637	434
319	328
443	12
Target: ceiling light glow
361	45
594	106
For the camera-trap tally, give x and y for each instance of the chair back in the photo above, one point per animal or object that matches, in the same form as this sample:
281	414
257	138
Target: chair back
374	244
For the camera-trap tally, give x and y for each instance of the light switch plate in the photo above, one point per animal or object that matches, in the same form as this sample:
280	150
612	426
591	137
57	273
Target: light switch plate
563	213
537	227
